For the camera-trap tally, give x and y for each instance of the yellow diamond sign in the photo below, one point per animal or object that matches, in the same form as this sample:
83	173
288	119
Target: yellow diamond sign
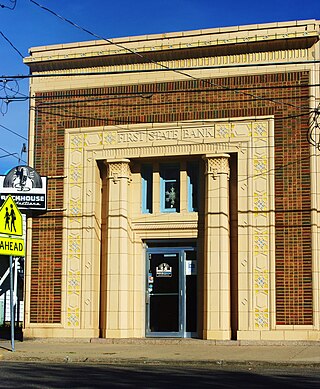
10	218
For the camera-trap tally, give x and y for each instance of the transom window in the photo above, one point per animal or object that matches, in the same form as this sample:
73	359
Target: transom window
169	188
167	183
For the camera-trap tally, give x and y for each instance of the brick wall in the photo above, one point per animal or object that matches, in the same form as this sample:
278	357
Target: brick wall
283	95
46	261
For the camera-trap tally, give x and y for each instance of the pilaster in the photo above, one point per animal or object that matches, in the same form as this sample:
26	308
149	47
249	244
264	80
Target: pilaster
217	248
119	273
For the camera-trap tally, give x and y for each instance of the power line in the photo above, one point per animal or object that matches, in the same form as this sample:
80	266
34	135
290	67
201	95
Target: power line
275	169
14	3
314	128
9	154
68	114
132	71
181	72
60	94
9	93
13	132
11	44
70	106
110	97
112	102
162	66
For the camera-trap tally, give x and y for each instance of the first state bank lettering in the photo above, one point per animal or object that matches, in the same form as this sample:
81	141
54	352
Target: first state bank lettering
149	136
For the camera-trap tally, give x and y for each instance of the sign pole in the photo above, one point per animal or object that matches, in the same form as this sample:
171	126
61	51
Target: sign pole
12	224
11	305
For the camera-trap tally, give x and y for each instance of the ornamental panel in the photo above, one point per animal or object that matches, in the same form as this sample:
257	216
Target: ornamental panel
92	139
240	130
250	139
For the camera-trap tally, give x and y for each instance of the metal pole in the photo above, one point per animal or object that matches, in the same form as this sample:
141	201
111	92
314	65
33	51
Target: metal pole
15	288
11	305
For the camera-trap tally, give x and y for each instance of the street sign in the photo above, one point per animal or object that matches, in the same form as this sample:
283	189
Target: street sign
10	218
12	246
27	188
11	224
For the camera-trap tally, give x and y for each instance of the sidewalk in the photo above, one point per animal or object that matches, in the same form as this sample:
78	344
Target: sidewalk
166	351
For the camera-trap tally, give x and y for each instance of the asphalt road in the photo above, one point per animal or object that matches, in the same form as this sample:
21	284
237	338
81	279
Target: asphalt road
71	375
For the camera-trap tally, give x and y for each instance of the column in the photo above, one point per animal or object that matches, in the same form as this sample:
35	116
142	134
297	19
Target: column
119	320
216	248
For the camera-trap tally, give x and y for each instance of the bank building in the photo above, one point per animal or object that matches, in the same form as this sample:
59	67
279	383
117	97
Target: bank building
182	197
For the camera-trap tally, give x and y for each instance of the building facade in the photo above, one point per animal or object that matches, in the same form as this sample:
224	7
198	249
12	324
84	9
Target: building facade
182	189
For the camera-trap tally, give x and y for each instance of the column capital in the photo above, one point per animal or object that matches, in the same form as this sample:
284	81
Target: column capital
217	164
118	168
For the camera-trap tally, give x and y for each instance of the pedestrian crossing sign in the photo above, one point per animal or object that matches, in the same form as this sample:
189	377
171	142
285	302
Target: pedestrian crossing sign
10	218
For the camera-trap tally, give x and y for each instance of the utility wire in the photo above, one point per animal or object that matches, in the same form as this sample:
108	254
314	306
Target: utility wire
68	114
205	81
112	100
11	44
13	132
68	110
8	154
60	94
132	71
14	2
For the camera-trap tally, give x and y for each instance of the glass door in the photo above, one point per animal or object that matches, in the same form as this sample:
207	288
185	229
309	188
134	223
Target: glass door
171	294
164	294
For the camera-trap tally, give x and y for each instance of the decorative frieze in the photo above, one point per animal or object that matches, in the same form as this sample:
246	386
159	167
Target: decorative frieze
276	56
165	226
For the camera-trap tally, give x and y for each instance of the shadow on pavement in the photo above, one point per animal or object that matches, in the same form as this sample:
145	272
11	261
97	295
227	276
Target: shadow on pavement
26	375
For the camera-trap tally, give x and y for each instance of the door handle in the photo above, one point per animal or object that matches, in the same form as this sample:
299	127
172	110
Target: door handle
147	297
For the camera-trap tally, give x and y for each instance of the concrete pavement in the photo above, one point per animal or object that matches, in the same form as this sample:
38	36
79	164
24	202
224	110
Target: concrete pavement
166	351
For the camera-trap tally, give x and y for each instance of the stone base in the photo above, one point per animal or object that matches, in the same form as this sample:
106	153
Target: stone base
60	333
295	334
217	335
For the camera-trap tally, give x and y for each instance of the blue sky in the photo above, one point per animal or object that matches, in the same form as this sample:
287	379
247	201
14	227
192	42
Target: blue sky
27	25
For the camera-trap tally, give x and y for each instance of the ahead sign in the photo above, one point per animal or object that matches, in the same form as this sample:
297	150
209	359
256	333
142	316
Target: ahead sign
10	218
12	246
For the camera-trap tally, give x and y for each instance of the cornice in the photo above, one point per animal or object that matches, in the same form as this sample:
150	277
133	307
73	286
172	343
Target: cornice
202	43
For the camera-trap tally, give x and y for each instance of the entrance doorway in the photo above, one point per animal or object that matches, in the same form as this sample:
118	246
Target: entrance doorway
171	303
